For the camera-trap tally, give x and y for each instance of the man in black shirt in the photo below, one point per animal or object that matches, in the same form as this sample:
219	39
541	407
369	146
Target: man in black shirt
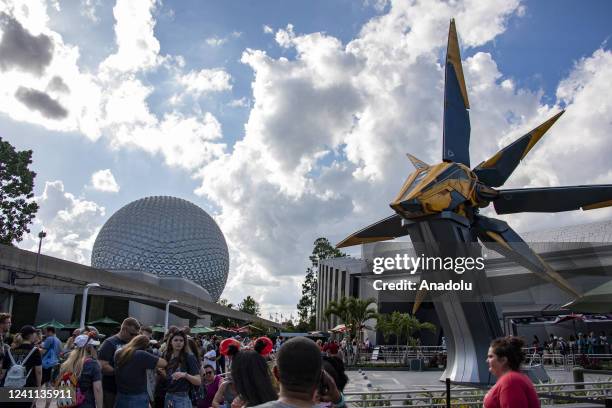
33	364
129	329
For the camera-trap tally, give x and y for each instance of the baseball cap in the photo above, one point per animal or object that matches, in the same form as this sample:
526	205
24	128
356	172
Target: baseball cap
27	330
84	340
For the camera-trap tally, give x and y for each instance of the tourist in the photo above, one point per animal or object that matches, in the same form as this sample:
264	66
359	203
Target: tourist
209	387
131	363
210	357
51	350
252	379
298	370
592	341
129	329
5	327
27	355
513	389
86	370
225	394
335	368
182	372
603	339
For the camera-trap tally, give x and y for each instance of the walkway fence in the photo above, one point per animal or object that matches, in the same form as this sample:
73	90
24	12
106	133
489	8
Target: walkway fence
436	356
593	393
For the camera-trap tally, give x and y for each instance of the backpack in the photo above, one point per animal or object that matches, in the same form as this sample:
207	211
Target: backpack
51	357
16	376
69	384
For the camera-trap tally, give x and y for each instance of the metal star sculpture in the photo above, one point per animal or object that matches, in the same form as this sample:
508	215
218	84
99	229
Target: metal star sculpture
441	203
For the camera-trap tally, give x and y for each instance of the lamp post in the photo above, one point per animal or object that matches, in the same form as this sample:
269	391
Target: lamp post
41	235
84	302
168	313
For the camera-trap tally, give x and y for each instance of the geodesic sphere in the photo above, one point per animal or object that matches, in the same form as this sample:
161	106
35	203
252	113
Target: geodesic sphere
165	236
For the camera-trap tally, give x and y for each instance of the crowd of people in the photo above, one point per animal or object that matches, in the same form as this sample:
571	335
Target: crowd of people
575	344
131	369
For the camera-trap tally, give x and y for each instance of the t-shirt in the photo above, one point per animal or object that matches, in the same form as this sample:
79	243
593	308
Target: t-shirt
107	353
512	390
274	404
53	347
331	348
19	354
207	392
90	373
182	385
209	359
131	377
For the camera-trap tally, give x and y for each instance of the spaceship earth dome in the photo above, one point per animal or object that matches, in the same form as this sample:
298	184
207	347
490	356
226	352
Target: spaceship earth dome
165	236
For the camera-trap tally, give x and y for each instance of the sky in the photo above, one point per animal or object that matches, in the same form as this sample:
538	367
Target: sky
285	120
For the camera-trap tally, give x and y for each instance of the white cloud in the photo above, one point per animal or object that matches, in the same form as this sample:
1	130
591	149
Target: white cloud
267	29
239	103
88	10
137	47
205	81
71	224
103	180
285	37
216	41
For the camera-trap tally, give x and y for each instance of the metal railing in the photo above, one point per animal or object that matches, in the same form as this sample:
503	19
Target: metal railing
461	396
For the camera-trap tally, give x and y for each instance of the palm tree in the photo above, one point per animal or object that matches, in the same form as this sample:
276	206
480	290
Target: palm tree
359	312
339	309
410	325
391	324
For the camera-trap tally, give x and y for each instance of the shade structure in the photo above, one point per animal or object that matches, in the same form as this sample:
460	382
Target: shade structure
158	328
105	321
341	328
569	317
71	326
53	323
201	330
598	300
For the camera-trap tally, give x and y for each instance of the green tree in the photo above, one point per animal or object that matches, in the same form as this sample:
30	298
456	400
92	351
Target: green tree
222	320
353	312
306	306
390	325
17	208
412	325
250	306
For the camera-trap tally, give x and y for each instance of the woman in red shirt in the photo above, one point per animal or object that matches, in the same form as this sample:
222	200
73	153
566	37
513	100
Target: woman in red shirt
513	389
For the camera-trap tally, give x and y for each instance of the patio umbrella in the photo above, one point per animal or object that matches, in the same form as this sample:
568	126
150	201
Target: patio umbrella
201	330
341	328
71	326
158	328
53	323
105	321
598	300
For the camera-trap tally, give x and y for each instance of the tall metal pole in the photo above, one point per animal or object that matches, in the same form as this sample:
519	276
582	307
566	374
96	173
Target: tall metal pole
168	313
84	303
41	235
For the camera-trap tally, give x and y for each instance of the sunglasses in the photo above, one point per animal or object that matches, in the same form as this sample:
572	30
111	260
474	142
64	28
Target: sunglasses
208	372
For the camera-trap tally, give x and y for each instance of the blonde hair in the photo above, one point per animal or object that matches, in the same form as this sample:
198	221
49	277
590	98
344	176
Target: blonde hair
75	361
124	355
17	341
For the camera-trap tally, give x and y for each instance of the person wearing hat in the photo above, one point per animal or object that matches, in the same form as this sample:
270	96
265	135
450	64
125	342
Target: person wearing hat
27	355
83	365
